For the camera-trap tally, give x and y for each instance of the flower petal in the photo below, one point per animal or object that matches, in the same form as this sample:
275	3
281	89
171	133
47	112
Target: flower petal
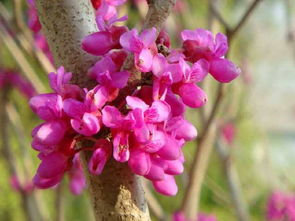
87	126
93	43
192	95
135	102
166	186
139	162
221	45
148	36
111	117
224	70
144	60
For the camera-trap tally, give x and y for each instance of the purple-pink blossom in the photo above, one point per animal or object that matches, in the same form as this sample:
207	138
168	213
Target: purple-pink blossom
281	206
201	44
145	127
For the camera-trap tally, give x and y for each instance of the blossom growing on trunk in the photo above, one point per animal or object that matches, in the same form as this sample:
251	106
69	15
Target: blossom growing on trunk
140	122
142	45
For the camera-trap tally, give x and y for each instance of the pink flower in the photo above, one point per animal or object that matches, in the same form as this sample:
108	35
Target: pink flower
86	117
228	132
192	95
106	72
51	169
107	8
59	82
120	126
76	175
142	45
100	156
281	207
110	38
167	186
200	44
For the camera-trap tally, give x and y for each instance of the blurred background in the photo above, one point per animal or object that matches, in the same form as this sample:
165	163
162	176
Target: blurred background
254	152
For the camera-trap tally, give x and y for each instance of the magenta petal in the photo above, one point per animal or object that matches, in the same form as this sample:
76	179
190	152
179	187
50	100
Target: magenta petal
189	35
177	106
159	65
139	162
158	112
199	71
174	167
167	186
88	126
120	79
97	161
157	141
192	95
121	151
135	102
93	43
76	175
182	128
224	70
50	133
176	72
130	41
171	149
47	106
111	117
52	165
144	60
105	63
74	108
156	170
148	36
97	100
44	183
221	45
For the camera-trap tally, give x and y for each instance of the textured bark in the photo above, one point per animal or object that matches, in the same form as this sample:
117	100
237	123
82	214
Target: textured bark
117	193
65	23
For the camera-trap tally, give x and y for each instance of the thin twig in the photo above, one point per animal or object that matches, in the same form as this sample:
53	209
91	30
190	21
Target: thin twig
244	18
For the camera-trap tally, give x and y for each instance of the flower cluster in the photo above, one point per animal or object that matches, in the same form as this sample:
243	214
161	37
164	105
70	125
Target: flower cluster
281	207
147	128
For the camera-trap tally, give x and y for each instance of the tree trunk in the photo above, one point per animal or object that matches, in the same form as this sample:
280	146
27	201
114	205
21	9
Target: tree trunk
117	193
